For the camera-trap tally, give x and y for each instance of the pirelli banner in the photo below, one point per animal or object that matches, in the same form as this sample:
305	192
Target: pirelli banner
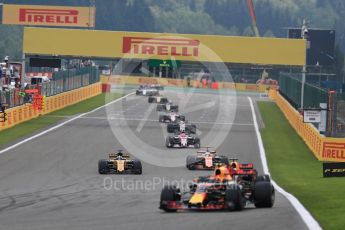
37	15
110	44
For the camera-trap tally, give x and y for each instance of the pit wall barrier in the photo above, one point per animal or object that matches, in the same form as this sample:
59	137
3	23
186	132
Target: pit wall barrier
324	148
26	112
131	80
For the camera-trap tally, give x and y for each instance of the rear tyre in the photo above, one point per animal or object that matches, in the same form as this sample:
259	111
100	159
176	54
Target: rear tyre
264	194
161	118
190	162
103	166
170	128
137	167
159	108
264	177
168	143
150	99
197	143
169	194
233	198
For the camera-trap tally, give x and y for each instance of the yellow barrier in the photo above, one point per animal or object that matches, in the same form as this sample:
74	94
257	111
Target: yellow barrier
324	148
23	113
131	80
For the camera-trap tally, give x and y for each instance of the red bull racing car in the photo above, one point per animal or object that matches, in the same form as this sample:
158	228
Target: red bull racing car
182	140
220	191
206	159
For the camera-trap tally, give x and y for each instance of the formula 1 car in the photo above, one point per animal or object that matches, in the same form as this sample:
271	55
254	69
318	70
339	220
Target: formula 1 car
146	90
167	107
182	140
170	117
206	159
119	163
157	86
158	99
181	126
220	192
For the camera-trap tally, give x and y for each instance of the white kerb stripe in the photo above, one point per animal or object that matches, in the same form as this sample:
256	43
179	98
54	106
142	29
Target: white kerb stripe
302	211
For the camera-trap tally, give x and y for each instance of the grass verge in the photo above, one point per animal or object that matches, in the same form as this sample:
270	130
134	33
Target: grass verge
294	167
9	135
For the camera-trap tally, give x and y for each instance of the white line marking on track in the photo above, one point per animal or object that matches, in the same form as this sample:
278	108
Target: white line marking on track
60	125
302	211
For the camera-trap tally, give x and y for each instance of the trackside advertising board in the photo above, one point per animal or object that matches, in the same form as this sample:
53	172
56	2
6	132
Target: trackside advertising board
111	44
37	15
334	169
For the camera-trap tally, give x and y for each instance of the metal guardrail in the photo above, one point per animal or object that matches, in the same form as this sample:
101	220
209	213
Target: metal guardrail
61	82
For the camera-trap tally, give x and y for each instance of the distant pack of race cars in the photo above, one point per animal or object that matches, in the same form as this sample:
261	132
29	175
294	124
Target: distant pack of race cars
232	185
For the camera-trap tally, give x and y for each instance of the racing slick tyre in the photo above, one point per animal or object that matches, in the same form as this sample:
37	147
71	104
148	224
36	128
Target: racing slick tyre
169	194
170	128
264	194
168	142
233	198
137	92
190	162
137	167
150	99
224	160
161	118
159	108
197	143
103	166
264	177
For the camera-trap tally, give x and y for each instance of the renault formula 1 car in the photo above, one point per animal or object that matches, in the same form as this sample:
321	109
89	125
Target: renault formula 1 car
170	117
146	90
218	192
206	159
167	107
181	126
119	163
182	140
158	99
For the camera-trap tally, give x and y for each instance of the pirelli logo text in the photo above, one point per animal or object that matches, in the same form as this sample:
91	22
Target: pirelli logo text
161	46
54	16
332	150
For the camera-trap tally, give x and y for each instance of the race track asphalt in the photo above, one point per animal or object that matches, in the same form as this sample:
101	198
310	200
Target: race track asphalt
52	181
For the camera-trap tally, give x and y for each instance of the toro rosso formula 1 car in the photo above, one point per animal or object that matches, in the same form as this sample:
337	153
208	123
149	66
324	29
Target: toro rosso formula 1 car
170	117
206	159
182	140
158	99
119	163
146	90
181	126
220	191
